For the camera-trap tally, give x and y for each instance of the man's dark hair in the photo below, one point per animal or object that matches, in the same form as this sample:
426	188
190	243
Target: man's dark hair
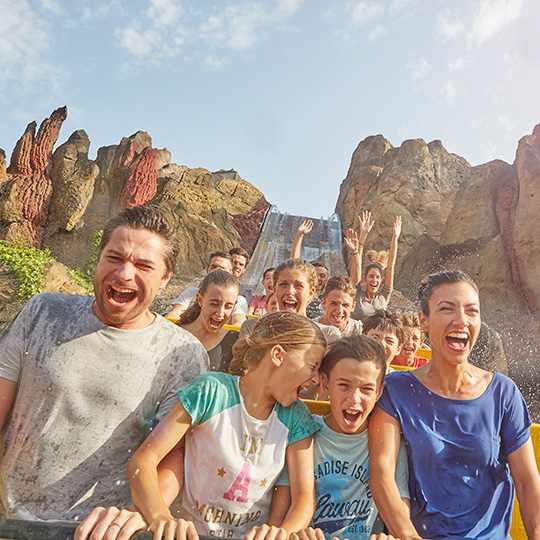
221	254
319	264
360	348
149	219
240	251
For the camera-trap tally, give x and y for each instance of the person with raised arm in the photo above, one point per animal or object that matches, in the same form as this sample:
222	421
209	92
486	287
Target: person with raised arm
466	430
376	297
314	309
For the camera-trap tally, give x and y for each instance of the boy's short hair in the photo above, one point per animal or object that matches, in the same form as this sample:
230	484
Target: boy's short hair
221	255
411	320
340	283
271	269
357	347
239	251
385	321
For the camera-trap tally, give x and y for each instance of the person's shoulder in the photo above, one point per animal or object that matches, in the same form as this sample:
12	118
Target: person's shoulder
331	333
61	304
503	385
396	378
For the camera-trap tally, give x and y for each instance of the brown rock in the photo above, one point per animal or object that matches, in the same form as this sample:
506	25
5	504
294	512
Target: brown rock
73	176
57	279
30	179
525	238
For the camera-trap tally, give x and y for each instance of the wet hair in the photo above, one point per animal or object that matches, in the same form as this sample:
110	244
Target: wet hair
431	282
410	319
385	321
361	348
218	277
221	254
271	269
239	251
298	264
371	266
340	283
291	331
149	219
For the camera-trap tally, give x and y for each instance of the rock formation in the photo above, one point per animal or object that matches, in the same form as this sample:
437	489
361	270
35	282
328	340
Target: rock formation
482	220
59	201
26	192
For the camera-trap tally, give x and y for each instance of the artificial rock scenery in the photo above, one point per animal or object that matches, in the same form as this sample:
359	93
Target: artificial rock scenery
483	220
60	200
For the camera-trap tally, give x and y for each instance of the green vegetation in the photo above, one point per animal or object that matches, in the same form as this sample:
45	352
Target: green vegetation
28	263
87	270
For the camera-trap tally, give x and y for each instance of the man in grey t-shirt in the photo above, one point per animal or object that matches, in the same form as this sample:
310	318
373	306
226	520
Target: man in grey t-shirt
83	380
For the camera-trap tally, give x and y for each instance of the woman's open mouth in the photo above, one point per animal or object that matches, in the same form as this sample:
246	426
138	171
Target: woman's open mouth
457	341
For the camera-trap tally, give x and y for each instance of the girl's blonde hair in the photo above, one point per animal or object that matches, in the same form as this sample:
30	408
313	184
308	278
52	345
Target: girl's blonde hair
216	277
289	330
298	264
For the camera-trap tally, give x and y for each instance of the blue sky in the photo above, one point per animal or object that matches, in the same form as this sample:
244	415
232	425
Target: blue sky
280	90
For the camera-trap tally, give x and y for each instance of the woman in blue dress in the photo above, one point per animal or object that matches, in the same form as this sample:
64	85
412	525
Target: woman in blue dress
466	430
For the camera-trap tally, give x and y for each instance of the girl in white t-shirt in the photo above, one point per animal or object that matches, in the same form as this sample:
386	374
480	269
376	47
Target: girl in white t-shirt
239	431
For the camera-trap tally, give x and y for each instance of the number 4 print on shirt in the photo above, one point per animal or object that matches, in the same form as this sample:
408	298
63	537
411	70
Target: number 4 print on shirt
240	484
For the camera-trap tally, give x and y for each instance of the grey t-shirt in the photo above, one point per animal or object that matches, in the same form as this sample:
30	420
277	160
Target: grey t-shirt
88	395
364	307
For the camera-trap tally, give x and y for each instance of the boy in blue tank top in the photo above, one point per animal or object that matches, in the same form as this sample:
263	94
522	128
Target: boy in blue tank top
352	375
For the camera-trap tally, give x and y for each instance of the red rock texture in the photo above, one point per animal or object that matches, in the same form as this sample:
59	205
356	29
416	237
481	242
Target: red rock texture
248	226
505	209
30	174
141	183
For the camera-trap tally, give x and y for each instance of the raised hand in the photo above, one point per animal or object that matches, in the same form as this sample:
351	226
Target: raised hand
366	223
305	227
397	226
110	524
351	241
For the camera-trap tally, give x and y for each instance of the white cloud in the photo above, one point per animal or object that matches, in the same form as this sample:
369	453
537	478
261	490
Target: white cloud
458	63
377	32
450	24
216	63
448	92
362	12
287	8
51	5
506	123
490	16
24	44
397	6
419	68
165	27
164	12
